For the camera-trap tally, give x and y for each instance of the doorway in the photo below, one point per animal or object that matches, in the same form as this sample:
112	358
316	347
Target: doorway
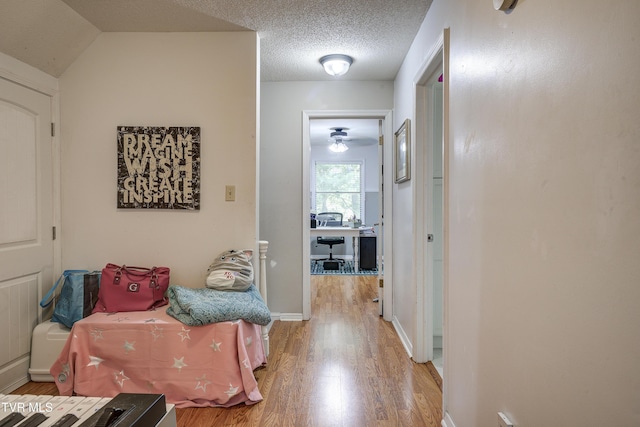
430	208
383	120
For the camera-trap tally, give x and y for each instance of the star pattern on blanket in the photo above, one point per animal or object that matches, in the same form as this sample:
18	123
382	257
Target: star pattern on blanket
184	334
121	319
246	363
96	333
232	391
215	345
95	361
157	332
203	382
248	341
151	320
129	346
120	378
179	363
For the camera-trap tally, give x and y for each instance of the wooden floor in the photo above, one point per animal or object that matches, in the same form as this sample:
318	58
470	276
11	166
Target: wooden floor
344	367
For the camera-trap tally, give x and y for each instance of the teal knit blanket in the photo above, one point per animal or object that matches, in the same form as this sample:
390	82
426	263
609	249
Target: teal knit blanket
196	307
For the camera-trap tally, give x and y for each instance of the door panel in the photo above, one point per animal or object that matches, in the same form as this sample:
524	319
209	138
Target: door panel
26	210
26	219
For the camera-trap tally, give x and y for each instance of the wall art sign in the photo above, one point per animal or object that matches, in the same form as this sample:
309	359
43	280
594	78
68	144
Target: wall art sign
158	167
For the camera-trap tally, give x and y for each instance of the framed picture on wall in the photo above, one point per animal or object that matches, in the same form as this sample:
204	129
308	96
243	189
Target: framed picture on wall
402	152
158	167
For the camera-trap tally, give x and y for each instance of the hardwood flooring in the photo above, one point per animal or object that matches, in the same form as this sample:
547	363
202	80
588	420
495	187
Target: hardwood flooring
344	367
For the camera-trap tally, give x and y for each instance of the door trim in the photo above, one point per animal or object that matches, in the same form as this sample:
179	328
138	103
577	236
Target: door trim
422	206
308	115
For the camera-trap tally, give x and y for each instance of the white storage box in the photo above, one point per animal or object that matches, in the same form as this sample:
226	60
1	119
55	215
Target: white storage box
46	344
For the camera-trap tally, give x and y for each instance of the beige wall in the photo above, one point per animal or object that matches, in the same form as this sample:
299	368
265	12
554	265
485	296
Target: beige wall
544	215
281	107
159	79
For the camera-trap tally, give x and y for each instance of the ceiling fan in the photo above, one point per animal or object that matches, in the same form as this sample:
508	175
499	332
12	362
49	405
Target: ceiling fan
338	136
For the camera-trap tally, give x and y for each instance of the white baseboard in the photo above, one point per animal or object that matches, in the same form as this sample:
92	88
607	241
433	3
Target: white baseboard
406	343
447	421
287	317
14	374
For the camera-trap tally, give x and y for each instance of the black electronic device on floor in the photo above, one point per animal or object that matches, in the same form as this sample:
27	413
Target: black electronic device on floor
129	410
367	252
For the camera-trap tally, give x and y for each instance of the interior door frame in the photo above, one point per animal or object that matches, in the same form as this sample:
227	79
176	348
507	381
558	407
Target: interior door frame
386	117
20	73
438	58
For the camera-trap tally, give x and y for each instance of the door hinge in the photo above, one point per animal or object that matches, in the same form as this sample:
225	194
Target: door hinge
53	129
381	283
381	140
53	232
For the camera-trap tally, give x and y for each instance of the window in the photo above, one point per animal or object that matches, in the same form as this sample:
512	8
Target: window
339	187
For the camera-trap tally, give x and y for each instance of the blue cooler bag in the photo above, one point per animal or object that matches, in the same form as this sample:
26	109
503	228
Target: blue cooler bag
77	298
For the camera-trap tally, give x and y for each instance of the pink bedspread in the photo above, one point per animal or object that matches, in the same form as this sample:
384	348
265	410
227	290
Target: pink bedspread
151	352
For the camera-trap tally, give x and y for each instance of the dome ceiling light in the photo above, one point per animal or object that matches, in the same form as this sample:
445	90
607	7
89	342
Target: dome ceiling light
336	64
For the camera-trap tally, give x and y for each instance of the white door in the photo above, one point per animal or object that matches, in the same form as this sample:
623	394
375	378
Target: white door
435	188
26	220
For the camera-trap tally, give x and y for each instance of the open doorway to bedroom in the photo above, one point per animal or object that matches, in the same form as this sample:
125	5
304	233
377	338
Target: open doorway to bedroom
345	184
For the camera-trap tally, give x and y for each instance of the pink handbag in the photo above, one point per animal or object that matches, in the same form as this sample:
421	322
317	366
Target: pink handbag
125	288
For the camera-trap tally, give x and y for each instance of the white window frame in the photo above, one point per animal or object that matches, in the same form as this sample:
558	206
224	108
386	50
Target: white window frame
362	179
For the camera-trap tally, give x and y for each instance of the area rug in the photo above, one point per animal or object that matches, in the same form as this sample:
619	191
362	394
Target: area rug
345	268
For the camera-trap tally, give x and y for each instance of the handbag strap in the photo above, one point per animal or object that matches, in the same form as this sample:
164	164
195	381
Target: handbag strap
48	298
137	271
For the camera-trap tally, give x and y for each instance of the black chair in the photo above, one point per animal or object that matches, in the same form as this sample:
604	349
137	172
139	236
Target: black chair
330	219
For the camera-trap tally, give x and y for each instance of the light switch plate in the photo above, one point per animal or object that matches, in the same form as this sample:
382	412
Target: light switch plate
230	193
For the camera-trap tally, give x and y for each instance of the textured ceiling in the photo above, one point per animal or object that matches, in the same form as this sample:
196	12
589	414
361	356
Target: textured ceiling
294	34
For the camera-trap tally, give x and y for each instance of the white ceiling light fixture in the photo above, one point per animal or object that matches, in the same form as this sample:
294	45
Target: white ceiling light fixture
336	64
337	137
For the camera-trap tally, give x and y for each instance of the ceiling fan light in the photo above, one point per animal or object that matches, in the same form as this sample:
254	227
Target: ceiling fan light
336	65
338	147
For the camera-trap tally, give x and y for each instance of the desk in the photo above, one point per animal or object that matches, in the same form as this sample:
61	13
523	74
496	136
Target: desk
337	231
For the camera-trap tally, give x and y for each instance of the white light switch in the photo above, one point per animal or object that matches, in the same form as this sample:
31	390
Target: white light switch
230	193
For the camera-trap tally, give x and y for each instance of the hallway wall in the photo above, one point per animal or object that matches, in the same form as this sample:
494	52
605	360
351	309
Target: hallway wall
544	210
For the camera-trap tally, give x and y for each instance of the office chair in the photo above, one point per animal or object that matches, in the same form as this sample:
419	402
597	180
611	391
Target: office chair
330	219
